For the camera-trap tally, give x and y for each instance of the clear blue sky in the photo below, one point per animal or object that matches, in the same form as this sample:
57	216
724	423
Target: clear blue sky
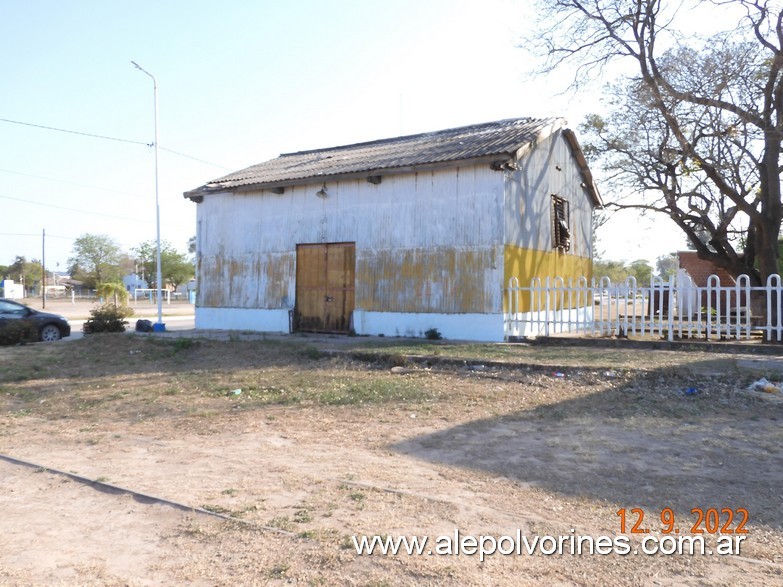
239	82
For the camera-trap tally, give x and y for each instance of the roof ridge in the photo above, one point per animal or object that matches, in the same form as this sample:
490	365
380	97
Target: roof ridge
445	132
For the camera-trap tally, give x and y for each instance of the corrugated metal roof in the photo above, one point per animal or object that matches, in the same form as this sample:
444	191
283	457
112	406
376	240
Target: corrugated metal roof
502	138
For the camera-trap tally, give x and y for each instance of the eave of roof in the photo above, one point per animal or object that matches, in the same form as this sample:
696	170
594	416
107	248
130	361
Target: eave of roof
445	147
496	143
581	160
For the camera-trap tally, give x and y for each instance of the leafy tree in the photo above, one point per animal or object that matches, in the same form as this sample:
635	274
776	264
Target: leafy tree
95	260
619	271
176	268
24	271
667	265
192	249
115	290
696	132
641	270
614	270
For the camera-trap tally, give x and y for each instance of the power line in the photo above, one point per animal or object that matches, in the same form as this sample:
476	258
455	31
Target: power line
194	158
108	138
74	209
38	234
82	185
75	132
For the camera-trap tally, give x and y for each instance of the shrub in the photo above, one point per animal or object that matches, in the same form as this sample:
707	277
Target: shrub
433	334
17	332
107	318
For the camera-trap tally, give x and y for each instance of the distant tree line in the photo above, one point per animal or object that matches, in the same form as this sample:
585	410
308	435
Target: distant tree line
97	259
641	270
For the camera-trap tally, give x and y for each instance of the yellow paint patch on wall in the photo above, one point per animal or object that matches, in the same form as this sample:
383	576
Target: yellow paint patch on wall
449	280
525	264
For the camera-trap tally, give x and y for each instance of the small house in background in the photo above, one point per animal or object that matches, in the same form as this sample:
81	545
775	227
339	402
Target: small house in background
133	281
396	236
699	270
694	273
12	290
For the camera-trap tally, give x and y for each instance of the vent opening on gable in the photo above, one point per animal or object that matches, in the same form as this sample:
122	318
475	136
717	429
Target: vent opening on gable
561	233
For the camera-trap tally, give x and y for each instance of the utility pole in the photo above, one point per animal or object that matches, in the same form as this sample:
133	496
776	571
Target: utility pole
159	277
43	267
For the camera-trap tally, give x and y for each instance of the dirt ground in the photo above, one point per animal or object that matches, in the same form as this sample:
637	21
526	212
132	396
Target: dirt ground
303	450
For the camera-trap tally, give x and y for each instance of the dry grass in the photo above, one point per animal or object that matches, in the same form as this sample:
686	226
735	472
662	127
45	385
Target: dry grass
322	448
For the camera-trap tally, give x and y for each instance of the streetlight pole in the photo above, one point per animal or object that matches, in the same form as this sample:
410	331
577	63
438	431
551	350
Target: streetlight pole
158	277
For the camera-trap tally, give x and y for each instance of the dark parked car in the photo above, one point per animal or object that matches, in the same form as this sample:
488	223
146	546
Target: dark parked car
50	327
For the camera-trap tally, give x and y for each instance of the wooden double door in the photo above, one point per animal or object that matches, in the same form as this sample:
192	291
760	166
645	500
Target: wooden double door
325	286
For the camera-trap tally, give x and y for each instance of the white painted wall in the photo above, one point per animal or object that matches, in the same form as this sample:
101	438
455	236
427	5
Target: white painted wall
442	207
480	327
12	290
242	319
242	237
528	219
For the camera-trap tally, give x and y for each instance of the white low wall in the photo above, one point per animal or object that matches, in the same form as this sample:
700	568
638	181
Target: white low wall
242	319
478	327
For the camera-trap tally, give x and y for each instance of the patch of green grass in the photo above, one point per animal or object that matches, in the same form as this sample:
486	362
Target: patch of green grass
303	516
372	391
277	571
314	388
216	509
267	395
283	523
183	344
359	498
327	535
311	353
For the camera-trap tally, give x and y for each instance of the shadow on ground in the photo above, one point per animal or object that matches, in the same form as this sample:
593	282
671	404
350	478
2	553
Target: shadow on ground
642	443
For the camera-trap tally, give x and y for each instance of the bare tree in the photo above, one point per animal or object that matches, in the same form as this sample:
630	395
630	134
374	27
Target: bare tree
695	133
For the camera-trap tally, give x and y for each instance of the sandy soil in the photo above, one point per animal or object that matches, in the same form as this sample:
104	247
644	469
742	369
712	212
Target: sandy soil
488	453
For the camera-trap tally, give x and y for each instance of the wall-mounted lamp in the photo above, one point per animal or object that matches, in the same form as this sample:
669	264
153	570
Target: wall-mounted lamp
322	192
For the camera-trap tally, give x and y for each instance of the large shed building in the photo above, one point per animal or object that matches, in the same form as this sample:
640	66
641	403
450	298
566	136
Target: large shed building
395	236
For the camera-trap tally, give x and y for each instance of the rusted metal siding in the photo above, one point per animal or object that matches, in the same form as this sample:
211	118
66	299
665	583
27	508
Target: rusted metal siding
249	280
440	279
441	229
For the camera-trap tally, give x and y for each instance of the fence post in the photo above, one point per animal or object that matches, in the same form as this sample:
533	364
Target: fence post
670	313
773	291
547	306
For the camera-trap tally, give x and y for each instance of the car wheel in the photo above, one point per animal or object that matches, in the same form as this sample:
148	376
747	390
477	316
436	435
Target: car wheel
50	333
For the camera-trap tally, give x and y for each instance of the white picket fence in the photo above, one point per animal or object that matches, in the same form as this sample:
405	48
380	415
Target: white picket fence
668	309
